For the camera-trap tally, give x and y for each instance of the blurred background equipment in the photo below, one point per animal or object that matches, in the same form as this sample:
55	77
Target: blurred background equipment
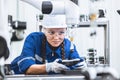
4	54
118	12
18	27
92	56
4	51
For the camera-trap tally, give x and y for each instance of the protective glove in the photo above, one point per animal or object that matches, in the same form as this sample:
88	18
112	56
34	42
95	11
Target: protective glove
55	66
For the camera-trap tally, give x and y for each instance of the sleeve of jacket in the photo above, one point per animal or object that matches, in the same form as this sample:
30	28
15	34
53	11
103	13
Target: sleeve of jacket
26	59
73	54
73	51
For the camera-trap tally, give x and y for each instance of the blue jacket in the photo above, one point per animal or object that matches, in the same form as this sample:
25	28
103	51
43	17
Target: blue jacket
31	53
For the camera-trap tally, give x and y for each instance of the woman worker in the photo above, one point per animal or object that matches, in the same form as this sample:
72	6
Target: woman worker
42	51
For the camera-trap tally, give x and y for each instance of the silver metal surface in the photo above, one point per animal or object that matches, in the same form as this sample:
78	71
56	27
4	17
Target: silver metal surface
44	77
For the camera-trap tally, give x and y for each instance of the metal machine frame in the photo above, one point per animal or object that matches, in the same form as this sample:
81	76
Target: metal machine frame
104	24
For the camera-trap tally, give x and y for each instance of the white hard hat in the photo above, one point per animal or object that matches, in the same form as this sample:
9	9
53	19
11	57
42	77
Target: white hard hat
54	21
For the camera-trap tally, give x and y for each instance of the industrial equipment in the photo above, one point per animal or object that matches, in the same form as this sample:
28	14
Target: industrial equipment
118	11
17	29
4	54
68	8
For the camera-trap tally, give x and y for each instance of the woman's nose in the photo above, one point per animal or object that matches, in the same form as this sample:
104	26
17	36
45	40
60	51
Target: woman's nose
56	36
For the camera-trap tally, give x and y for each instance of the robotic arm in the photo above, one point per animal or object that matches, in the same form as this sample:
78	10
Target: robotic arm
54	7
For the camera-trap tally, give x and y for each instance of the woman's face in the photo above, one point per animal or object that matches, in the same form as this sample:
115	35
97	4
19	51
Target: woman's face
55	36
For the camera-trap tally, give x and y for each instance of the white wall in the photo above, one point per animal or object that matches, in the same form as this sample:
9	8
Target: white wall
113	5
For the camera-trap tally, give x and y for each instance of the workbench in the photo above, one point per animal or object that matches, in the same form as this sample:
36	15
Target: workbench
44	77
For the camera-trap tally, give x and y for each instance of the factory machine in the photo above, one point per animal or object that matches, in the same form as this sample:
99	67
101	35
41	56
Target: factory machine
98	67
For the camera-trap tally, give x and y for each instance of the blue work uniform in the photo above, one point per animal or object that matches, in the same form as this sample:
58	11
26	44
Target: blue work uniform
31	53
